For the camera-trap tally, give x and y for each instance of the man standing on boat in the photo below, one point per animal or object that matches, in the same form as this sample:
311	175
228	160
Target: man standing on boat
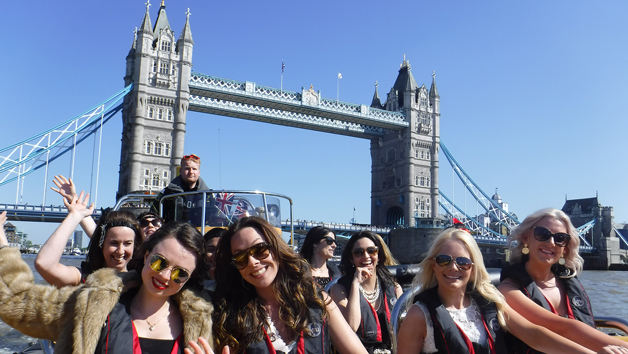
188	180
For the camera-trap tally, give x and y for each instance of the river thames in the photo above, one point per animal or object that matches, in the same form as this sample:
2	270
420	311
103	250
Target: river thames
608	291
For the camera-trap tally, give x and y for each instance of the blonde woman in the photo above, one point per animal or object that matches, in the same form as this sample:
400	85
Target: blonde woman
460	311
541	283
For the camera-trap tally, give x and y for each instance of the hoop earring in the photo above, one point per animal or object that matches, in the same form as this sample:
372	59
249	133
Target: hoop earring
525	249
561	260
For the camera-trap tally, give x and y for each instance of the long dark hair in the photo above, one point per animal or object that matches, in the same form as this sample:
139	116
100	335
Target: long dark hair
240	316
314	236
190	238
95	256
348	268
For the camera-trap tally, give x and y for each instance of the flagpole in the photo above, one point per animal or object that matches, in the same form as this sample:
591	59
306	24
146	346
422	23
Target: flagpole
282	67
338	88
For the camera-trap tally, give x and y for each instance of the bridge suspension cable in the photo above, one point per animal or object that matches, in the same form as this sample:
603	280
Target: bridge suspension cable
25	157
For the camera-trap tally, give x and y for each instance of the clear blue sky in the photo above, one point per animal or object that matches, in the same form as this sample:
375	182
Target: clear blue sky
533	94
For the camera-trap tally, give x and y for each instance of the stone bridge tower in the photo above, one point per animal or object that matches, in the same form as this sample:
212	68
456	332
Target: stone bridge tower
405	163
159	65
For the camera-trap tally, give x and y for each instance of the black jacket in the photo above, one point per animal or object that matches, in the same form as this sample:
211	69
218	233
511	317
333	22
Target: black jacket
184	208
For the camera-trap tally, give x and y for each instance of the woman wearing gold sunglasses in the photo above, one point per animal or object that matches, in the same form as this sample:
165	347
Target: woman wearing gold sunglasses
267	301
159	308
459	311
367	293
541	283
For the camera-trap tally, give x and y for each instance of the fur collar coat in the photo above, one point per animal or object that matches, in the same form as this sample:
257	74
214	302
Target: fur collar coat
73	316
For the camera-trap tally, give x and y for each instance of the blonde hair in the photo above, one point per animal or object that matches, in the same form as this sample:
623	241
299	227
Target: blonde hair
573	261
480	280
390	260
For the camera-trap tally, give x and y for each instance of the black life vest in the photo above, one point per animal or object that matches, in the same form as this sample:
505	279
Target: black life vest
449	338
370	329
315	342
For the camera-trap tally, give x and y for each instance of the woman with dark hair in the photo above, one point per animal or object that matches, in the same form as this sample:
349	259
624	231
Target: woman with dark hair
149	223
541	283
267	300
367	292
114	241
157	309
318	247
211	244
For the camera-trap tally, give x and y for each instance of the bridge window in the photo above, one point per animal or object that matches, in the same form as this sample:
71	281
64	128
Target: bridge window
428	155
146	172
169	115
416	182
146	183
156	180
416	153
423	101
166	173
158	148
427	180
151	112
167	152
163	68
149	147
160	114
154	66
422	181
391	155
165	45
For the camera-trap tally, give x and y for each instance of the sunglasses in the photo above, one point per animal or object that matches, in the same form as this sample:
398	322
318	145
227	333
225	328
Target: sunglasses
155	222
259	251
191	157
178	275
444	260
329	240
358	252
561	239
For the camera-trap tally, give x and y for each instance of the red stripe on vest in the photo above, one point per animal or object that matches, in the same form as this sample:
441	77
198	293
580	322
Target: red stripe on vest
379	328
491	341
301	345
467	341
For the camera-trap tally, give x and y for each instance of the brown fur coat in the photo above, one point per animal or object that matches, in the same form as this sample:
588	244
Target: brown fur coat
73	316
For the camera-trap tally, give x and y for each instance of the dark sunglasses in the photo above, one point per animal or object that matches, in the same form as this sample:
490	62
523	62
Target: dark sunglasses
358	252
561	239
329	240
191	157
155	222
444	260
241	259
178	275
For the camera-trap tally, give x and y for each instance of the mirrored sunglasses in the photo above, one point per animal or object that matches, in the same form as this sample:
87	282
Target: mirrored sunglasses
178	275
358	252
329	240
259	251
542	234
191	157
444	260
155	222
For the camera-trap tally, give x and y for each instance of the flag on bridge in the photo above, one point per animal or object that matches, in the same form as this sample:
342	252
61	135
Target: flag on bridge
283	66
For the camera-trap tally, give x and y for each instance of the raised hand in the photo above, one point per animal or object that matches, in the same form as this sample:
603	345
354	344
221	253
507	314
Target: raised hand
65	187
79	205
203	348
3	218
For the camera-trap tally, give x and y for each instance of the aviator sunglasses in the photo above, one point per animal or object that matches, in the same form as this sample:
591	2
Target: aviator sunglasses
358	252
444	260
329	240
191	157
178	275
542	234
241	259
155	222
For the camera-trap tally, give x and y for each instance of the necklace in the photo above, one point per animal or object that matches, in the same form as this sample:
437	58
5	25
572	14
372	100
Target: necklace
371	296
151	326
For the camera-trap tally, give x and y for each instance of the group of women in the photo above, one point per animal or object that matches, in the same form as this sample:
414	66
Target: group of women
145	293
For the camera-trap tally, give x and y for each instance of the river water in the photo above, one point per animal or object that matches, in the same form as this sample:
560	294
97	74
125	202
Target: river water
608	291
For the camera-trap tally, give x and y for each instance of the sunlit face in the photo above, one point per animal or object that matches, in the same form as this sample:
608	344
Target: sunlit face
545	252
451	276
365	259
210	249
117	247
258	272
177	256
324	249
152	225
190	171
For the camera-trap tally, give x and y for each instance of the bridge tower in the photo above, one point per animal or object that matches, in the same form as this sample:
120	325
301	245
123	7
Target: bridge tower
154	112
405	163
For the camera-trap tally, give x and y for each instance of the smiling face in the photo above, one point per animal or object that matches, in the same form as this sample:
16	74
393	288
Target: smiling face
117	247
148	226
177	256
545	252
323	249
450	277
365	260
258	272
210	249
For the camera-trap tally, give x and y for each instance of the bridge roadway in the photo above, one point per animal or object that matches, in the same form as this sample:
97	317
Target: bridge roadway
303	110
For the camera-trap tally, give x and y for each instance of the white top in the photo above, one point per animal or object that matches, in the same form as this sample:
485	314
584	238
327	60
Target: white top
468	319
275	338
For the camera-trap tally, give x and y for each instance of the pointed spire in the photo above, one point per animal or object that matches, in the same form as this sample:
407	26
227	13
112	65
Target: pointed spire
433	89
133	46
186	34
377	103
146	24
162	20
405	80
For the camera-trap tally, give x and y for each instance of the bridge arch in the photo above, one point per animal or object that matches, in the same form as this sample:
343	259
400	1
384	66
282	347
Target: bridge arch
395	216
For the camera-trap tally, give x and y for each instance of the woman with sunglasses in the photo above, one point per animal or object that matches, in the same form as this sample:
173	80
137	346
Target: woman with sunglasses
459	311
541	283
149	223
367	292
318	247
116	238
267	300
159	308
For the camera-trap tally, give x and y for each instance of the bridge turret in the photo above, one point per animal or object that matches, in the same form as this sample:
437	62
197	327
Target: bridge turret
376	103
